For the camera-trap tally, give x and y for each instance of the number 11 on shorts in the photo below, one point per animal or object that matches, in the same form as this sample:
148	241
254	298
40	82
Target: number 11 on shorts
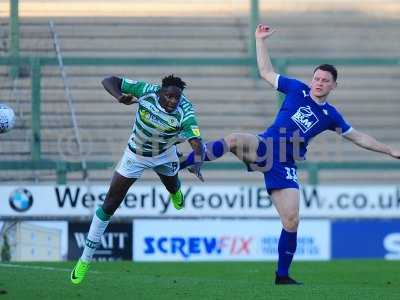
291	174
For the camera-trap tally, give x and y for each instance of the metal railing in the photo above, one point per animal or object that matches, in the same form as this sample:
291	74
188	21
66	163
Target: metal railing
63	167
15	61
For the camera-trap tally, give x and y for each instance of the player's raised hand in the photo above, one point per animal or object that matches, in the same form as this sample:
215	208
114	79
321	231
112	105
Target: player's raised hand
263	31
127	99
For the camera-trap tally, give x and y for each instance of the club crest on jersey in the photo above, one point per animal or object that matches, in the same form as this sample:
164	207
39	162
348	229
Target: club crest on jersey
305	118
195	130
172	121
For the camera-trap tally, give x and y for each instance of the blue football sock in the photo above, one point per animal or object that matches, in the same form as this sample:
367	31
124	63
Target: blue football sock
214	150
286	249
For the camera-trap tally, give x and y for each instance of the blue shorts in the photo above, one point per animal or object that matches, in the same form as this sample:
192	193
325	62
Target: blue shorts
277	175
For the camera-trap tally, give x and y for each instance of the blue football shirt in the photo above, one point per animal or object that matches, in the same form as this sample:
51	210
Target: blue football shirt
300	119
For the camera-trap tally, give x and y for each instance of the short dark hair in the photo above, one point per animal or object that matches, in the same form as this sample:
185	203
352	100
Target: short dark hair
171	80
328	68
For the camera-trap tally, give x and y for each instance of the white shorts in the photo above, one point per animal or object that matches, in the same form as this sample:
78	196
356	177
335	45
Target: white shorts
132	165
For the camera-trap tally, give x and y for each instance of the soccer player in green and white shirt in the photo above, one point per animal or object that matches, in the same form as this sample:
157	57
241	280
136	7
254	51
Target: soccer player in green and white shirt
164	118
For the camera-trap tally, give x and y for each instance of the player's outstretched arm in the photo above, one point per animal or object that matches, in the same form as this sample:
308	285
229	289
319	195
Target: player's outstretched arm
112	85
366	141
264	64
199	152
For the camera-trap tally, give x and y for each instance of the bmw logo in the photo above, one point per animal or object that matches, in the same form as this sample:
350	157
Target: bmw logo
21	200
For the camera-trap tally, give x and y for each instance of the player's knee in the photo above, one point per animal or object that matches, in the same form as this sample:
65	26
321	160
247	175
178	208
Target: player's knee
232	142
290	222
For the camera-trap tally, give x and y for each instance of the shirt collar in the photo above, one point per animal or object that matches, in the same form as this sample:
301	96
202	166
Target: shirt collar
159	105
316	102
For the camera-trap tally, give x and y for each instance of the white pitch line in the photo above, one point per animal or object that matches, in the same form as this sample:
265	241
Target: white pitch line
38	268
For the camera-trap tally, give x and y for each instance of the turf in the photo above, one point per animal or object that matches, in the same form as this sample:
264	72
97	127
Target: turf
128	280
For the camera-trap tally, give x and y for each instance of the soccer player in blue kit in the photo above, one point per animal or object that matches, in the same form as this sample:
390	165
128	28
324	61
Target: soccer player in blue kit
304	114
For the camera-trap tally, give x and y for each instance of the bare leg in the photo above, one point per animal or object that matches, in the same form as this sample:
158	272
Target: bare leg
286	202
243	145
116	193
171	183
119	186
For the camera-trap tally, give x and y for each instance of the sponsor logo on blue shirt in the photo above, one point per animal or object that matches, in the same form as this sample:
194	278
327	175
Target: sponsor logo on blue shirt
305	118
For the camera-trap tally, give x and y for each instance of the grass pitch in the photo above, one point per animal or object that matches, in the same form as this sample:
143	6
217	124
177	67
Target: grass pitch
244	280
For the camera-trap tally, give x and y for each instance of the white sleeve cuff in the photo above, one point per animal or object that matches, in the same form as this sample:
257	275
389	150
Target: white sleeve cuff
276	81
347	131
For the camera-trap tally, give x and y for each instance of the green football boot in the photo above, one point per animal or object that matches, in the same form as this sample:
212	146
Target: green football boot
79	272
177	200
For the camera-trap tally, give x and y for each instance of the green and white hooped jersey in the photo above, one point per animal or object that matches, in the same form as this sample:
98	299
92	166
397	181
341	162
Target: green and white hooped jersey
156	130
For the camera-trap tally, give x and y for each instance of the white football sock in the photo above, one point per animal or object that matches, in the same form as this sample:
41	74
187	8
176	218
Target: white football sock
97	228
